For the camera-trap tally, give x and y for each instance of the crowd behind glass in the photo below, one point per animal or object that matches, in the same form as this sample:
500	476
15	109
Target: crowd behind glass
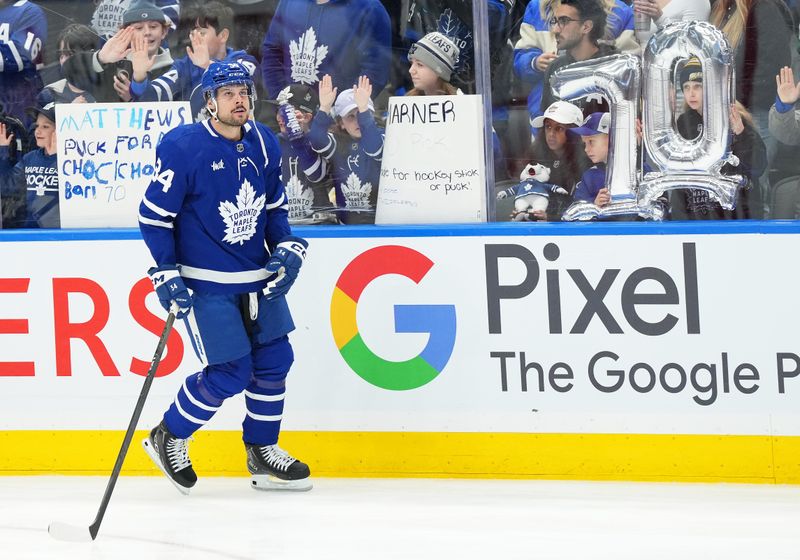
325	70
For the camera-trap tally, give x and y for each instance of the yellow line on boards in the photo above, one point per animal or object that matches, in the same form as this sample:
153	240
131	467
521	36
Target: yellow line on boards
633	457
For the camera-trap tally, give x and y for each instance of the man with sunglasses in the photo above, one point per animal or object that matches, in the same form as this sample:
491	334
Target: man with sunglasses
578	26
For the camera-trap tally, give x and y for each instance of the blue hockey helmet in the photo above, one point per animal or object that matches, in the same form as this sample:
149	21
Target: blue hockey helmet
219	74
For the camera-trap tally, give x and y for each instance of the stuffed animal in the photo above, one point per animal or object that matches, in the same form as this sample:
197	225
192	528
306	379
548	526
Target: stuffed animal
532	194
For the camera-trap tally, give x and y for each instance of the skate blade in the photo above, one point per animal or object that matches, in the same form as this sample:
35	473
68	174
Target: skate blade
157	460
267	482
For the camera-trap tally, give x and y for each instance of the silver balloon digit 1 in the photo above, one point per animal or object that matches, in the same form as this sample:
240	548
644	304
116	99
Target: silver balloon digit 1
683	163
618	79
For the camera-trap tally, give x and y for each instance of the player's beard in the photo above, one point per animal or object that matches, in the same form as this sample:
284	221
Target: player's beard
234	119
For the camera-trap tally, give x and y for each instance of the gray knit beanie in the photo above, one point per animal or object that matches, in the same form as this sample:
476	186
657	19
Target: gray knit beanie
437	52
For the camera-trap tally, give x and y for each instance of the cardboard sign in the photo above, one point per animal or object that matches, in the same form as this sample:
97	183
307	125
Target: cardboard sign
106	158
433	161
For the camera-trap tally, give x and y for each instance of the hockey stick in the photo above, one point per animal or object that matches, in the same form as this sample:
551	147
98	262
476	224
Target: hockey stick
67	532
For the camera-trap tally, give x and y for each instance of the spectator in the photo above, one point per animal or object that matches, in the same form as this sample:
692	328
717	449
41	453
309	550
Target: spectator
308	39
561	152
663	12
761	34
75	38
784	120
357	154
594	133
23	30
578	27
109	15
106	73
30	199
697	204
209	37
302	168
537	46
434	59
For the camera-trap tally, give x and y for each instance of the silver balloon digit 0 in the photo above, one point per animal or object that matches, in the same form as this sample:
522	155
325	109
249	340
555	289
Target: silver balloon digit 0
683	163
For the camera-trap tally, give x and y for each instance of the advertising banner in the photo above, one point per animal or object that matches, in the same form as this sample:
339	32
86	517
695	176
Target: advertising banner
527	334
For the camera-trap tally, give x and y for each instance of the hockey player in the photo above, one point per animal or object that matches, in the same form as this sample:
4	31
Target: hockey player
209	37
214	206
23	30
304	169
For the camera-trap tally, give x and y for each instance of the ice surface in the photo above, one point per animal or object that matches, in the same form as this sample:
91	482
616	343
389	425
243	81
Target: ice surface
380	519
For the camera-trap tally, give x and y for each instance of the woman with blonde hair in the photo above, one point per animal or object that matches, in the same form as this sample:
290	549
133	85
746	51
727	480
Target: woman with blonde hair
760	33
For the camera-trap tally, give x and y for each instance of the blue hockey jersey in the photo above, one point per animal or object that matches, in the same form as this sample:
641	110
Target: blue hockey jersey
23	30
182	81
591	182
32	188
215	206
356	163
303	169
343	38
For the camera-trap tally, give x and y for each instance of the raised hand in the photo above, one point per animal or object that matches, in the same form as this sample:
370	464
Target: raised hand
327	94
788	91
362	93
52	145
198	50
141	59
6	138
117	47
737	125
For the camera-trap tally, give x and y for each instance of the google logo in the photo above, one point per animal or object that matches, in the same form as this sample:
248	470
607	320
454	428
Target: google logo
439	321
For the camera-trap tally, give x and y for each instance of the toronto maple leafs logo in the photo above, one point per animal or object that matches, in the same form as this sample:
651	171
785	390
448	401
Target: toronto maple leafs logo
356	194
300	198
241	218
306	57
451	26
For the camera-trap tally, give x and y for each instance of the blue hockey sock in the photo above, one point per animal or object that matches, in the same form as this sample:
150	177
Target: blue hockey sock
192	408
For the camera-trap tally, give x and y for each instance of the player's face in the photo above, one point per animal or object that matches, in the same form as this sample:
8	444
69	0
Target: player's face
422	76
555	134
570	34
233	105
153	32
596	147
350	124
45	131
693	94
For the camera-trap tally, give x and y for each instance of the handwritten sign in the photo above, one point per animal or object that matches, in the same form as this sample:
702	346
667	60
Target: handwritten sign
106	158
433	167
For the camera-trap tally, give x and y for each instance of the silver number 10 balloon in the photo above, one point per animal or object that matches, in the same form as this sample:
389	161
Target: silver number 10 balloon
680	163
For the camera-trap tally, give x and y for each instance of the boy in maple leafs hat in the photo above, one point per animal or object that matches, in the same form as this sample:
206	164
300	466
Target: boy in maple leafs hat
304	170
357	149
